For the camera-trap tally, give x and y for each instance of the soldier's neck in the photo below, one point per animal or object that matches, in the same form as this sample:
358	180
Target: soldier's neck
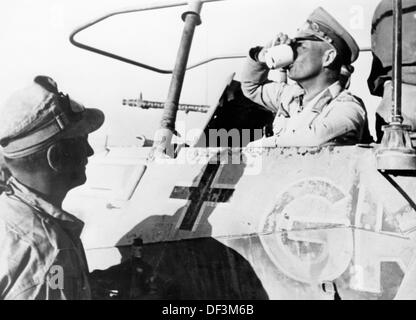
47	188
315	86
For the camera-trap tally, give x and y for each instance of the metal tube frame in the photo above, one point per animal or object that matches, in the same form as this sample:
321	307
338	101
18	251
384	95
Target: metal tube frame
148	7
397	63
396	153
161	5
192	19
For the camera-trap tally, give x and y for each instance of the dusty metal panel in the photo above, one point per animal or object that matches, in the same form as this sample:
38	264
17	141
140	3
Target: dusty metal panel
295	218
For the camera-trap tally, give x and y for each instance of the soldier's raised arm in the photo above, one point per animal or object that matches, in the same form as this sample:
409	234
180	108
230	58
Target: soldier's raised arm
254	77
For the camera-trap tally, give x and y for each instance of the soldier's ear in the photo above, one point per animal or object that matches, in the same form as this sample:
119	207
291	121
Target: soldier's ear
54	158
329	57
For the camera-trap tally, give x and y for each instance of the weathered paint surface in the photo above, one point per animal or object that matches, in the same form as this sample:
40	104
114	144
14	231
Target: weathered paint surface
281	221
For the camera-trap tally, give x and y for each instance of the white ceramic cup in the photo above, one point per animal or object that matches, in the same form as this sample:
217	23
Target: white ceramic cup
279	56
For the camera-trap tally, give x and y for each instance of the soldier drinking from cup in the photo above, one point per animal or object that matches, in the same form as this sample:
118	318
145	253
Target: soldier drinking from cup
316	109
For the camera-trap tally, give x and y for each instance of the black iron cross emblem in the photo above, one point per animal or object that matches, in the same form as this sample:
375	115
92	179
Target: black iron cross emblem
200	194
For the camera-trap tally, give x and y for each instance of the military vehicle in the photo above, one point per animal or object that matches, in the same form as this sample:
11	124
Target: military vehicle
220	221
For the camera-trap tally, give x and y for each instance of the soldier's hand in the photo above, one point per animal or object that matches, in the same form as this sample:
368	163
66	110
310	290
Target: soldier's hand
280	38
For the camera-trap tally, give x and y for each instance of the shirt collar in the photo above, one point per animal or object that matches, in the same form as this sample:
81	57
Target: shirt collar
325	96
47	210
335	89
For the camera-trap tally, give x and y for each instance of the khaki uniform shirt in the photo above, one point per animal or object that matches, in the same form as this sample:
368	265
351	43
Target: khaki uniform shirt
334	115
41	255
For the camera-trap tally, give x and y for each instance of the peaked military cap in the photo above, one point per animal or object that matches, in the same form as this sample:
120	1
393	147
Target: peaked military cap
324	26
37	116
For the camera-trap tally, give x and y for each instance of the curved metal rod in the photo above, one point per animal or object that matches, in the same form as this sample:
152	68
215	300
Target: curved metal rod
239	56
213	58
160	5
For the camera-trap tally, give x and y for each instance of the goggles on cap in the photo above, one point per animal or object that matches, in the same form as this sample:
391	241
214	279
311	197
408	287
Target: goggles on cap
307	38
70	112
65	113
322	32
310	26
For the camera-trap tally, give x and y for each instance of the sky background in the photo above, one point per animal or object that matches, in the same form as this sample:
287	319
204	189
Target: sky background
34	37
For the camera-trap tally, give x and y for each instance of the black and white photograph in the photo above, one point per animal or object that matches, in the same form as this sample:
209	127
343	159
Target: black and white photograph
207	151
